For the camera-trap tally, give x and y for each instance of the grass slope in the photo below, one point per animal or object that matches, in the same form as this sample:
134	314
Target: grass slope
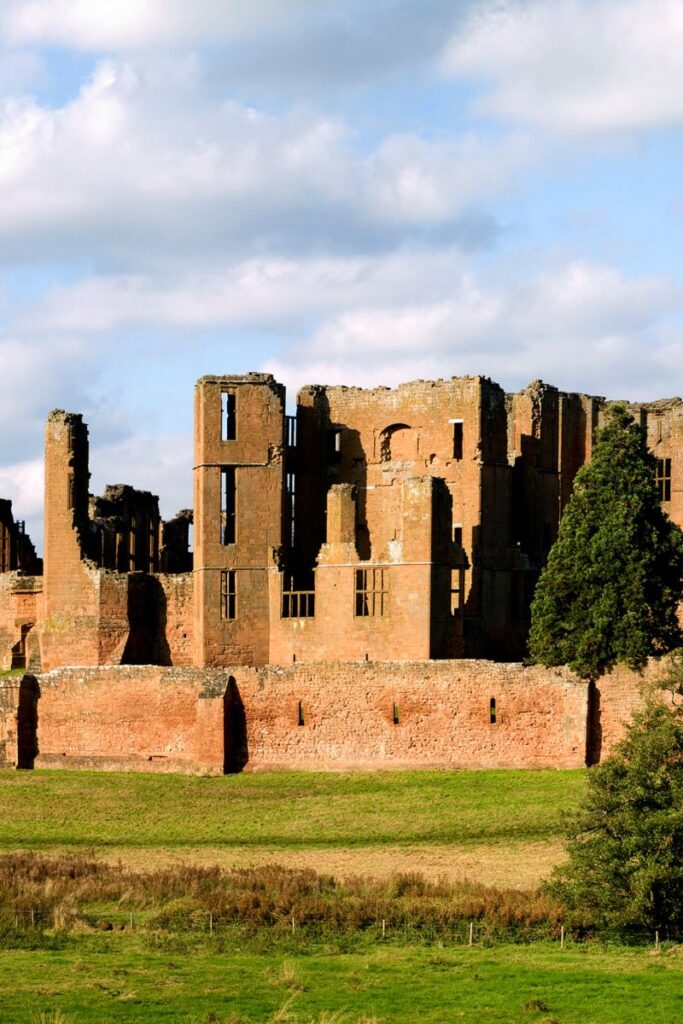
283	810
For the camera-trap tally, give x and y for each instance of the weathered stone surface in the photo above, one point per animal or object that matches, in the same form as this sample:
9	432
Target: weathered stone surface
350	559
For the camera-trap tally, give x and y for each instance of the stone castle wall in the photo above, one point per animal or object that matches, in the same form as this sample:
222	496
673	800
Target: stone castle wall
364	715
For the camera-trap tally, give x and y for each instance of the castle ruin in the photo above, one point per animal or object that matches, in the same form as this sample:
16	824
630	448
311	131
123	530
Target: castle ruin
383	542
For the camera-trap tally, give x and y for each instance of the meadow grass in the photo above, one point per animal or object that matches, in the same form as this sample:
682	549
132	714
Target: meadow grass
119	978
283	810
164	969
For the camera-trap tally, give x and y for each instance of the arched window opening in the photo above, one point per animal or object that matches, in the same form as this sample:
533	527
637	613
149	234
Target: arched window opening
396	443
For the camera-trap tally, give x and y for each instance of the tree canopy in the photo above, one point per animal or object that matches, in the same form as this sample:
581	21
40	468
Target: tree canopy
612	583
625	867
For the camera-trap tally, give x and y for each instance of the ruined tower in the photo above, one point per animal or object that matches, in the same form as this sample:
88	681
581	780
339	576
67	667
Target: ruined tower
238	508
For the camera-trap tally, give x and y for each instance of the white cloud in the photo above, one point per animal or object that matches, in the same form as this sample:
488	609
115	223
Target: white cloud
579	327
145	166
130	24
575	65
39	374
283	294
22	483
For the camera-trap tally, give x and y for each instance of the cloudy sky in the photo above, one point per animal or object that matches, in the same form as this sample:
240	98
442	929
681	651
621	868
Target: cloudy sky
337	191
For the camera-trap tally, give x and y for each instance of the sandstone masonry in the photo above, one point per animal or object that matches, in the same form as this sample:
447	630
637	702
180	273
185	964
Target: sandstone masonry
349	563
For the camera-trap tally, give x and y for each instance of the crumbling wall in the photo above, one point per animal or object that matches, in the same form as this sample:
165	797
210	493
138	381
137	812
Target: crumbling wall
20	604
131	718
412	715
177	594
326	716
613	700
9	706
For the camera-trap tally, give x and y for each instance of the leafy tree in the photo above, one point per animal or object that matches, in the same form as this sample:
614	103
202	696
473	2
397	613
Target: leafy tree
611	587
625	867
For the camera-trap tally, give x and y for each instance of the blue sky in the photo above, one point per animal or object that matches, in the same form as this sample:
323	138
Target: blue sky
332	190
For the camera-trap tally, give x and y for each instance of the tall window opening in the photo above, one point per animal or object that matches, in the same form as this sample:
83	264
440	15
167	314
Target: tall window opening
457	439
492	711
228	594
663	478
4	549
228	416
290	483
457	534
228	505
133	545
372	593
334	451
457	587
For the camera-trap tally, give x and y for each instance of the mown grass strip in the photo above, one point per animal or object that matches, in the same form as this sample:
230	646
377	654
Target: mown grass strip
283	810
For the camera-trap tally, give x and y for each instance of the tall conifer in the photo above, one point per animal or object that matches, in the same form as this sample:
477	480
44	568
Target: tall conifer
610	590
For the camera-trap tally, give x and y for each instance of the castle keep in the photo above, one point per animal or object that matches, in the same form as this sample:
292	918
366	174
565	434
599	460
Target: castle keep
371	527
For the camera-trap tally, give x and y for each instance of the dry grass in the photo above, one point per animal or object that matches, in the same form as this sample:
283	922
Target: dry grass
515	865
74	892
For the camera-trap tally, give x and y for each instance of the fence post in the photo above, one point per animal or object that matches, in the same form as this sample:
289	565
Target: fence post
562	937
384	928
471	933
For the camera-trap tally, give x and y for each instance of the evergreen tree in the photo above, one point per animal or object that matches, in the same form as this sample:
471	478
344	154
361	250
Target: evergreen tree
625	866
611	587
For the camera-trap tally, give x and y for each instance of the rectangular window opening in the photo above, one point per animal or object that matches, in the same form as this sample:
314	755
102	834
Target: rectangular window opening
457	439
492	711
457	585
228	505
663	478
372	592
133	545
396	715
228	594
290	482
457	534
296	604
301	720
334	440
228	416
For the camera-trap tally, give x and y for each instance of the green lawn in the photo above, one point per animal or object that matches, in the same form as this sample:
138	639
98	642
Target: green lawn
283	810
116	978
155	976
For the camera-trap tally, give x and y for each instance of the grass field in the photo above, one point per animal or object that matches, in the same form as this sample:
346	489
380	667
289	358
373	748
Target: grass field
503	827
118	979
500	827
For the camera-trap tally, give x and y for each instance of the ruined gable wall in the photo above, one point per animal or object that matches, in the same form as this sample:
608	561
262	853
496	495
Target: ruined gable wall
373	456
69	632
